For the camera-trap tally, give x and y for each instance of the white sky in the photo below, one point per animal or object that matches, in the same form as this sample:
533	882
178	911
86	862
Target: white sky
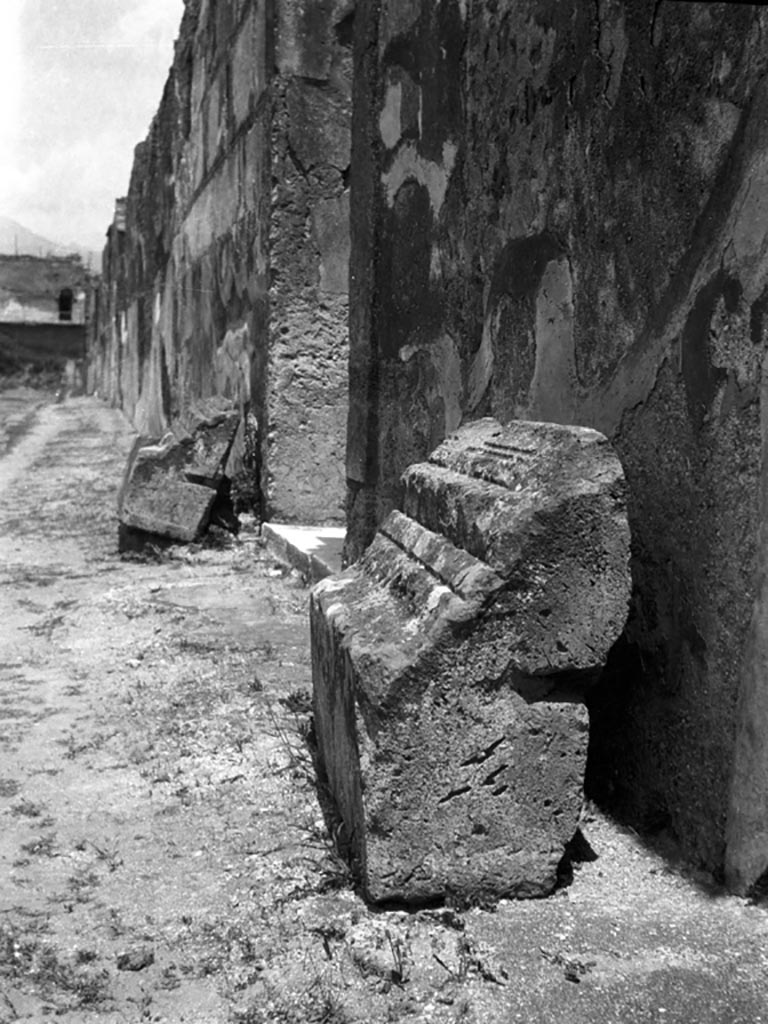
80	81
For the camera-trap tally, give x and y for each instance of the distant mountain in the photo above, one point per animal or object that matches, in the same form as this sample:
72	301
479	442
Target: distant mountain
16	239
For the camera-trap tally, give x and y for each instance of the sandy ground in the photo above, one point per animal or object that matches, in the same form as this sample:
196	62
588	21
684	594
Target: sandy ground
162	854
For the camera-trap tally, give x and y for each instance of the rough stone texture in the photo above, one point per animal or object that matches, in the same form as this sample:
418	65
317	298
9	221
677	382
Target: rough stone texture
170	485
221	271
305	398
559	213
451	662
207	431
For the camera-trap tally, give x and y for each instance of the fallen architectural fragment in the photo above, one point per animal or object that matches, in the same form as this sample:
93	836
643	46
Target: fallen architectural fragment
171	484
450	663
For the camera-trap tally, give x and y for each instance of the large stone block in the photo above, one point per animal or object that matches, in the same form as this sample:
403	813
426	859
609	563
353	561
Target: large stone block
170	485
451	661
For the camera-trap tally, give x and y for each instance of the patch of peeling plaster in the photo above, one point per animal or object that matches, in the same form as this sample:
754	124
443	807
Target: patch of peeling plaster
551	396
397	19
410	165
446	363
435	265
389	120
613	45
747	247
232	365
481	371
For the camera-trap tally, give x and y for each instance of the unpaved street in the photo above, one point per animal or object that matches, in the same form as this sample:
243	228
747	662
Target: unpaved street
147	795
162	854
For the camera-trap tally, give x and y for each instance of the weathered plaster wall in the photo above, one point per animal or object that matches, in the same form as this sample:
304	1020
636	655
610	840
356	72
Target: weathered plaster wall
222	277
107	300
559	212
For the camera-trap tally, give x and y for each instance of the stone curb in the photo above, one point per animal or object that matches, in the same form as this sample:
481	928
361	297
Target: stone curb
315	551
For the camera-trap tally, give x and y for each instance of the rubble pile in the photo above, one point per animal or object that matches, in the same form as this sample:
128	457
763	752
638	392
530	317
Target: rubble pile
176	486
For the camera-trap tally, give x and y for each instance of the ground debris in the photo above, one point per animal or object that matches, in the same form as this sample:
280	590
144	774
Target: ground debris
175	486
574	967
135	959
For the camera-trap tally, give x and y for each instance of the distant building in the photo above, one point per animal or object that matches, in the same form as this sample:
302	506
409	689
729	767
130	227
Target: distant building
43	290
43	303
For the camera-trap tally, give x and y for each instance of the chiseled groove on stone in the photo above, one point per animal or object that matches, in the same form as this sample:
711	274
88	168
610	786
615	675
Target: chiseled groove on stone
504	451
444	508
454	567
530	452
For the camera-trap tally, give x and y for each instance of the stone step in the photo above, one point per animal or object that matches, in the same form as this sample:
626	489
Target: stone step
315	551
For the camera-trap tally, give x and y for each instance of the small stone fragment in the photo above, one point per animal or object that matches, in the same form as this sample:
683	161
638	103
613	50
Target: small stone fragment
136	959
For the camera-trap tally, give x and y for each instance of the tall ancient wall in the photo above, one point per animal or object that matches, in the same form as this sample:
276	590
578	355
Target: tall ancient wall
559	213
227	273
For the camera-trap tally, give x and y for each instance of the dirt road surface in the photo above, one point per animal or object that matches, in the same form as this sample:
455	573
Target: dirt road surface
162	854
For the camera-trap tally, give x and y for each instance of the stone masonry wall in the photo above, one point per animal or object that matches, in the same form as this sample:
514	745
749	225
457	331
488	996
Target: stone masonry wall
222	277
559	213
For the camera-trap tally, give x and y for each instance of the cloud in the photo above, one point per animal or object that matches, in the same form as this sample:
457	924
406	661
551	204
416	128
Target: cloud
69	193
84	78
10	75
149	24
